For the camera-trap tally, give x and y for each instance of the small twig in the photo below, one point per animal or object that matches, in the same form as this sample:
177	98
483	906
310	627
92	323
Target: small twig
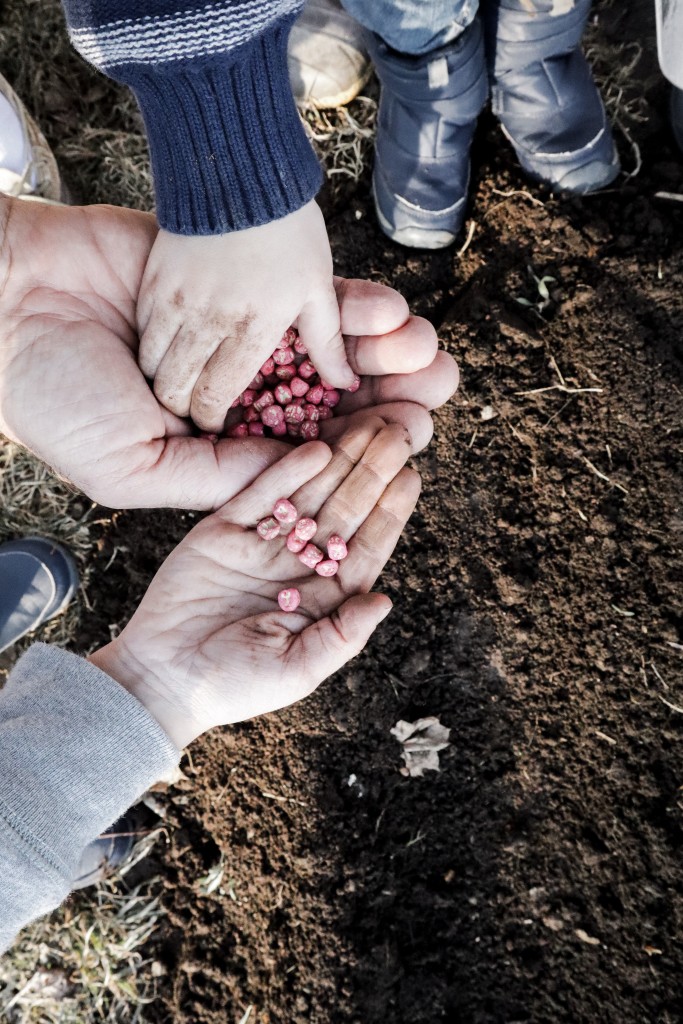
674	707
675	197
564	389
553	363
509	195
470	235
602	476
656	672
634	146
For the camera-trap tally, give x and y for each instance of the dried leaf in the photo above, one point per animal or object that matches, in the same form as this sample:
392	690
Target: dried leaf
421	742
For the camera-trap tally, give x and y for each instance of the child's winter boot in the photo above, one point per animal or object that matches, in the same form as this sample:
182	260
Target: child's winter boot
427	116
543	93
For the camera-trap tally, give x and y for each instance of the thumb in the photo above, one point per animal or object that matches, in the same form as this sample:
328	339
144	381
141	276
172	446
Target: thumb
327	645
192	473
319	327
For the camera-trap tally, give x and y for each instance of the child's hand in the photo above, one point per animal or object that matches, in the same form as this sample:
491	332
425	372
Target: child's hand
209	644
212	309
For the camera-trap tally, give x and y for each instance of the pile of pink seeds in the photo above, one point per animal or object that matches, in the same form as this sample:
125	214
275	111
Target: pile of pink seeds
286	397
300	532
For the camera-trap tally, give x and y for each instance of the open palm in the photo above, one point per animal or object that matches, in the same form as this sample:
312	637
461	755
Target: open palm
209	643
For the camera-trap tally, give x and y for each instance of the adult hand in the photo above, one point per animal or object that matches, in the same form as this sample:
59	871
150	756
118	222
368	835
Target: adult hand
209	645
72	392
212	309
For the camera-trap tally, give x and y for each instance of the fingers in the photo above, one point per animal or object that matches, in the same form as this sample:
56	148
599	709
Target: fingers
414	418
368	307
349	451
430	387
279	481
191	473
371	547
412	346
229	371
319	328
349	506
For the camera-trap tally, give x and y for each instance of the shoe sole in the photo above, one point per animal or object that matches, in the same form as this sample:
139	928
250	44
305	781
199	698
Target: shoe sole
413	237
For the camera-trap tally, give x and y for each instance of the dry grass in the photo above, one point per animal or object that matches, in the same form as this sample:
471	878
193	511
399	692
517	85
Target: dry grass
343	138
35	501
90	961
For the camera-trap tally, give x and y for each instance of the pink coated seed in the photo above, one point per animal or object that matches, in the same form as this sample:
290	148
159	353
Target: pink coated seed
327	568
299	387
289	600
282	356
309	430
355	385
336	547
264	399
324	412
248	397
283	394
311	412
331	398
294	543
286	372
294	429
268	367
251	415
311	555
256	429
315	394
238	430
280	429
273	415
307	369
306	528
257	382
300	348
288	338
294	414
284	511
268	528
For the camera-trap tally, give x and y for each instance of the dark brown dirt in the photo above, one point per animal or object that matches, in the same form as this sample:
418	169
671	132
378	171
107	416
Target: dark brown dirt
537	877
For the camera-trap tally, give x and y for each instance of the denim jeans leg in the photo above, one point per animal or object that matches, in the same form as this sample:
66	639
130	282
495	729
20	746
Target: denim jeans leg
414	26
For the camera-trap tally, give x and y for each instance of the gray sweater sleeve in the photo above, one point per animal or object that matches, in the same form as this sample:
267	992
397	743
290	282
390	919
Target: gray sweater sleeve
76	750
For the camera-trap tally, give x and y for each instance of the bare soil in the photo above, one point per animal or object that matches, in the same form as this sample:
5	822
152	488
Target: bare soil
537	877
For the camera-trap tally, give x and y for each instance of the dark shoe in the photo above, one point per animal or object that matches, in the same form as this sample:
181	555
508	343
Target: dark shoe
107	853
327	58
38	578
427	115
543	93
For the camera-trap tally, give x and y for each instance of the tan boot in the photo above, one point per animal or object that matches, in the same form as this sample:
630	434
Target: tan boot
38	177
328	62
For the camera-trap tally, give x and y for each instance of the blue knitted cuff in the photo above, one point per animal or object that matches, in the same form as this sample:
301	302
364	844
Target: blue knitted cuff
228	148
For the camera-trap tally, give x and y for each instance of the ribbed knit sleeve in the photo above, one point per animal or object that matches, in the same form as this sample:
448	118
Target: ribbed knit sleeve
227	146
76	750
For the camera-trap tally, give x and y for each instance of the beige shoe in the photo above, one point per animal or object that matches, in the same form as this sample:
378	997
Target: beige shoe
32	173
328	62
